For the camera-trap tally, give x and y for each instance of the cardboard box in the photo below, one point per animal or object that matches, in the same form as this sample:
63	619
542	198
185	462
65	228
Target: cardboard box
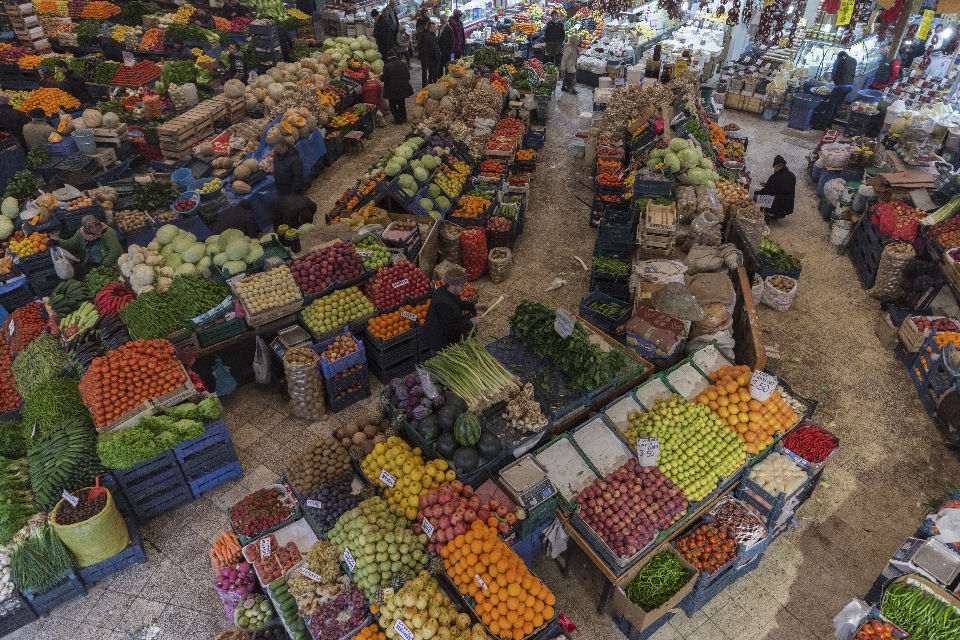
639	618
886	332
647	289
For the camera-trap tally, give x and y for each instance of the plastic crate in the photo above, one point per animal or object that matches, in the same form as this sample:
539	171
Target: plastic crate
865	248
66	589
397	354
331	369
543	512
14	614
154	486
617	287
339	404
15	294
598	319
221	331
646	188
342	381
385	351
209	452
697	600
765	270
769	508
632	633
214	478
386	373
71	219
35	262
63	148
42	283
133	554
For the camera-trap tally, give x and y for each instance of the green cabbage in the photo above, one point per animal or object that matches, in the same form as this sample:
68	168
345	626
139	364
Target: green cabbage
672	161
167	233
427	204
407	182
689	158
678	144
698	176
234	266
421	174
193	253
237	249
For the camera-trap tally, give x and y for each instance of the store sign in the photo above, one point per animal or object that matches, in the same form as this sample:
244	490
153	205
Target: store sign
925	23
762	386
427	527
310	574
564	323
348	558
845	12
387	478
648	451
265	549
69	497
402	630
314	504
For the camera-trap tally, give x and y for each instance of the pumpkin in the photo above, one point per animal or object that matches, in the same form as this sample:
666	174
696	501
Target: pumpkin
303	132
447	104
241	173
322	119
422	95
311	122
54	137
241	187
233	88
92	118
264	81
251	164
269	103
437	90
111	120
65	126
275	91
251	102
467	429
287	127
275	73
431	106
418	113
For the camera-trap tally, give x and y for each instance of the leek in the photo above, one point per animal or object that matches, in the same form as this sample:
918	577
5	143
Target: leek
469	370
943	213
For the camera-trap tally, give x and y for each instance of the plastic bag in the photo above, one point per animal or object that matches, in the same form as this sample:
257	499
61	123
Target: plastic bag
686	199
62	262
848	621
225	382
449	242
705	229
707	200
776	298
834	189
757	289
261	362
724	340
303	383
718	319
893	262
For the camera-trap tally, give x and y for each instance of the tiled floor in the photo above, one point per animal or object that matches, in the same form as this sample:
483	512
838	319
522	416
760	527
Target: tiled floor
870	500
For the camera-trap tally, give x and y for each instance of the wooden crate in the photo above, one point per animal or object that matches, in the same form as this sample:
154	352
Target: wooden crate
660	219
111	136
105	158
746	325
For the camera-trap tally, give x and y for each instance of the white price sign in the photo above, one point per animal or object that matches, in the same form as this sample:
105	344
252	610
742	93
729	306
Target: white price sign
388	591
12	327
69	497
762	386
365	254
564	323
427	527
348	558
314	504
648	451
265	548
765	202
483	585
387	478
412	317
310	574
397	285
402	630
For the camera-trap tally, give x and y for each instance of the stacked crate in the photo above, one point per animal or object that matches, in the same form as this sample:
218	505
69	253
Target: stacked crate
265	41
26	24
235	107
657	236
393	357
178	136
345	380
155	486
209	460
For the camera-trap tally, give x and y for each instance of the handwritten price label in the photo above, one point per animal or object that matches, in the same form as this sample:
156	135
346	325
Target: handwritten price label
69	497
388	591
412	317
648	451
387	478
765	202
314	504
348	558
427	527
564	323
402	630
365	254
265	547
762	386
12	327
397	285
483	585
310	574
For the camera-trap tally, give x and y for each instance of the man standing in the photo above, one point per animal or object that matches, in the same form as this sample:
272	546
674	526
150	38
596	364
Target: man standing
37	131
288	170
445	42
393	22
14	122
73	84
553	37
459	35
445	323
843	76
381	34
429	55
782	186
111	49
236	64
396	87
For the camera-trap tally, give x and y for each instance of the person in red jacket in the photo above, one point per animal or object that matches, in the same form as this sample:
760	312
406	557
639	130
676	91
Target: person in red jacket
459	35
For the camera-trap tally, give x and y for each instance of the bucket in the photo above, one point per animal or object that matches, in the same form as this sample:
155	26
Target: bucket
84	140
839	232
373	92
182	178
579	147
706	91
95	539
586	120
862	199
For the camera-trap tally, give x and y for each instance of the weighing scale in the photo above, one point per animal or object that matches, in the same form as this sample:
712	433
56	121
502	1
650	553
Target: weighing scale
289	338
527	483
929	557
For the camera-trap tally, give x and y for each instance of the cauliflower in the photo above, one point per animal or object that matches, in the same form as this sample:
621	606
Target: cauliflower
163	283
142	275
166	272
154	246
140	289
154	260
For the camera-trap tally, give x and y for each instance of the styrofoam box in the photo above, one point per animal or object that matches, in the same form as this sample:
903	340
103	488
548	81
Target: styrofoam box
688	382
601	446
709	359
619	413
653	390
566	469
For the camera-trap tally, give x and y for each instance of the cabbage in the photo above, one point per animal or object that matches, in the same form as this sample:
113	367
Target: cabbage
220	259
393	168
672	161
174	261
254	253
414	142
443	202
698	176
678	144
427	204
706	164
231	267
211	240
193	253
407	182
434	190
421	174
182	241
711	184
204	262
237	249
371	54
689	158
404	152
227	236
376	67
186	269
167	233
429	162
6	227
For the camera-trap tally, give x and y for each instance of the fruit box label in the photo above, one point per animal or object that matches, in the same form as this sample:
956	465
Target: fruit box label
69	497
402	630
648	451
427	527
483	585
388	591
386	478
365	254
265	548
348	558
310	574
412	317
762	386
397	285
314	504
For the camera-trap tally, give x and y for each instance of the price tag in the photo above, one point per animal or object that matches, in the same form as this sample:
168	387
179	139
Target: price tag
265	547
348	558
310	574
762	386
427	527
314	504
483	585
412	317
13	326
387	591
69	497
397	285
402	630
365	254
765	202
386	478
648	451
564	323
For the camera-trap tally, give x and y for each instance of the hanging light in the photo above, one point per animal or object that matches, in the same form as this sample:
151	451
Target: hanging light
686	6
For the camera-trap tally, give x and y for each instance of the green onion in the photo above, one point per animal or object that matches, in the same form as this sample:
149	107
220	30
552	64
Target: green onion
472	373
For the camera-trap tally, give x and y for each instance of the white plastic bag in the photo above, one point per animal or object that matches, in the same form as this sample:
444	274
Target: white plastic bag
777	299
848	621
261	362
62	262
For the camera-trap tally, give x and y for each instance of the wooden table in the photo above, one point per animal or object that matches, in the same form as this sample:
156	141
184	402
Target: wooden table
610	578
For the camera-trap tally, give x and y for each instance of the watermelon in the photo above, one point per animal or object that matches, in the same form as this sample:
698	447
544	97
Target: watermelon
488	446
446	446
447	417
456	401
466	459
429	428
467	429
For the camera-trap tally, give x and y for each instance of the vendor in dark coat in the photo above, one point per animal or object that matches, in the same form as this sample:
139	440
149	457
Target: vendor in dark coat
292	210
429	55
285	41
445	42
233	9
13	121
182	52
553	37
288	170
112	50
239	216
445	323
236	64
73	84
782	185
844	76
396	87
386	42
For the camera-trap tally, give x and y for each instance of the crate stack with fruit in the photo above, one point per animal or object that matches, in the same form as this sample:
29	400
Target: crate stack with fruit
343	361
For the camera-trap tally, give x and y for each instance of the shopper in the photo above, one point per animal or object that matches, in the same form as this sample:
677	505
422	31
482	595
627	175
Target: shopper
111	49
568	64
782	185
38	130
183	52
396	87
94	244
429	56
236	64
292	210
389	14
445	42
445	323
14	122
423	21
288	170
73	84
381	34
203	19
459	35
553	37
47	78
286	43
843	76
239	216
233	9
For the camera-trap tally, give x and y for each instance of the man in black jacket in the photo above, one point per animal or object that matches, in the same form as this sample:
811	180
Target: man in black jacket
236	64
381	34
292	211
429	55
111	49
288	170
13	121
285	41
396	87
73	84
843	76
445	323
553	37
782	186
239	217
445	42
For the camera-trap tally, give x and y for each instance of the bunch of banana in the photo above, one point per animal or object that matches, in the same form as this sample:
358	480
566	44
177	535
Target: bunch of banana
67	297
80	319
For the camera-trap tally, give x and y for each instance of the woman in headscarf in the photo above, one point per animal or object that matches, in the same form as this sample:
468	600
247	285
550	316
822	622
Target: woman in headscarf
94	244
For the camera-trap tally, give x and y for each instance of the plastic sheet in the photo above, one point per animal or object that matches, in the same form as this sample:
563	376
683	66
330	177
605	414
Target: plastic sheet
893	262
305	389
449	242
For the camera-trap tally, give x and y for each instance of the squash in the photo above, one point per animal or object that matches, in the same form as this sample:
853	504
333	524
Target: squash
233	88
251	164
447	104
241	173
326	59
437	91
269	103
251	102
65	126
92	118
204	150
55	137
260	93
264	81
275	91
240	187
111	120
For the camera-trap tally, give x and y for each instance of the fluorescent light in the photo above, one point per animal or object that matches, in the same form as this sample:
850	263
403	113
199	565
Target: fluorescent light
947	33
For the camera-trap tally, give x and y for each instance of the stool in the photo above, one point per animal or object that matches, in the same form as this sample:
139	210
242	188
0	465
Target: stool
354	142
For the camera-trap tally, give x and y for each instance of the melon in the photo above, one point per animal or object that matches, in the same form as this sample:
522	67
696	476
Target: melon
467	429
453	400
429	428
446	445
92	118
233	88
111	120
466	459
447	417
488	446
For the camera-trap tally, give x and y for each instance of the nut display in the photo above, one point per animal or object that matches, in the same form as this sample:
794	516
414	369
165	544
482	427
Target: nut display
262	291
129	219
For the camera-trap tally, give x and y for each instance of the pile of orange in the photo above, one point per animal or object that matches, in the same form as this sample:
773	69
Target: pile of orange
526	154
514	602
370	632
943	337
29	62
471	207
99	10
392	324
48	99
755	422
24	246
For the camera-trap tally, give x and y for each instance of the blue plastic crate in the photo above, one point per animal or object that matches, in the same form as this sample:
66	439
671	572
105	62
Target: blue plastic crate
63	148
631	632
133	554
15	613
331	369
212	450
42	283
694	601
339	404
15	293
66	589
215	478
155	486
769	508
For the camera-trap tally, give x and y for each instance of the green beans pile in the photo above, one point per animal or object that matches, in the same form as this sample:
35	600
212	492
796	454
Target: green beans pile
603	264
56	400
154	314
921	614
658	581
18	504
39	361
196	295
12	444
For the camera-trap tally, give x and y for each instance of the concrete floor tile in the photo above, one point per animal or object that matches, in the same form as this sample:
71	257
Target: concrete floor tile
142	611
687	625
246	435
709	631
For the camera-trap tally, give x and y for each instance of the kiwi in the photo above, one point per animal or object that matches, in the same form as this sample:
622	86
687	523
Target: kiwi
346	442
384	424
377	439
359	437
370	430
367	446
351	429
